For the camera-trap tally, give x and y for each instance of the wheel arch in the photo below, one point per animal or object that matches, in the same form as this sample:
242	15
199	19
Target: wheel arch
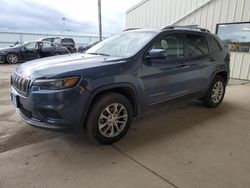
223	74
125	89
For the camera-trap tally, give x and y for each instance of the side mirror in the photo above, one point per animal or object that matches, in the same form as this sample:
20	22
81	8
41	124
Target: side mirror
156	54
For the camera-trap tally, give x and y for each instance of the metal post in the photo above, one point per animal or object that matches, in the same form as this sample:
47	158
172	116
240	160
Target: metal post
64	26
100	19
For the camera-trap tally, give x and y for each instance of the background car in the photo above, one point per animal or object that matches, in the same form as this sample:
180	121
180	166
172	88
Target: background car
30	51
88	46
69	43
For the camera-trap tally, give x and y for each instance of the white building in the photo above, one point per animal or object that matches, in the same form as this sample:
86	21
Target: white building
230	19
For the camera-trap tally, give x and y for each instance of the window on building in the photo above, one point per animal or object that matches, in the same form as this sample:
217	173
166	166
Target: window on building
196	45
235	36
173	44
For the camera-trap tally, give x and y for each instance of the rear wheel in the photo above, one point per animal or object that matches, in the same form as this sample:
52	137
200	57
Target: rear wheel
12	58
109	118
215	93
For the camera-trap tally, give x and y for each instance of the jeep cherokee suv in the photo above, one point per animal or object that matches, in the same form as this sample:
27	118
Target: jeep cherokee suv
119	78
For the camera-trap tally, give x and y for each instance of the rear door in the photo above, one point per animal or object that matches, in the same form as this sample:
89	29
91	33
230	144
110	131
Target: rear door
198	60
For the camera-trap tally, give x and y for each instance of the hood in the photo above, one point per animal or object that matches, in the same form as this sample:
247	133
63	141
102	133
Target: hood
7	49
52	66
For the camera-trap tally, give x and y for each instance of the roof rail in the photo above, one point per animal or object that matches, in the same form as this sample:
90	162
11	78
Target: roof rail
129	29
192	27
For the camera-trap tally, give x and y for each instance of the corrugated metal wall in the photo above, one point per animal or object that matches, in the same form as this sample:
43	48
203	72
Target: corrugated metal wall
240	66
218	11
159	13
205	13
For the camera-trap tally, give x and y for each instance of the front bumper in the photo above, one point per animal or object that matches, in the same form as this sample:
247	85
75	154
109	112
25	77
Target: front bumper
54	109
2	59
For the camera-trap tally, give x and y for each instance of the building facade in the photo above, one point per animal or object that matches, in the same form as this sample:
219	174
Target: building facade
229	19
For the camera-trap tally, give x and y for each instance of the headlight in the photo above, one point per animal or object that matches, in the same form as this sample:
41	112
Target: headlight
61	83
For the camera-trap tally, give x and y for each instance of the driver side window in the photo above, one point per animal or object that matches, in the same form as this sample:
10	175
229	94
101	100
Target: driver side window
173	46
31	46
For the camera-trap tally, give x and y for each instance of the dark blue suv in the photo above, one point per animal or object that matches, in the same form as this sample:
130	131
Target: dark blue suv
119	78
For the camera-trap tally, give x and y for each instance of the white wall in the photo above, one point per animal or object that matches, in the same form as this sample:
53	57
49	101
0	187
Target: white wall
218	11
240	65
205	13
159	13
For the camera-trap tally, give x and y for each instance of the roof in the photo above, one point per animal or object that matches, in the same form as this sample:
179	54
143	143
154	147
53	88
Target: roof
176	28
142	30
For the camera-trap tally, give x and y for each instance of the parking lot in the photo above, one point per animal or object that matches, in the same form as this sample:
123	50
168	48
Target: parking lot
182	145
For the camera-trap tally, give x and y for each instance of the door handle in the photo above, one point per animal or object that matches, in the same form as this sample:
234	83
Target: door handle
212	59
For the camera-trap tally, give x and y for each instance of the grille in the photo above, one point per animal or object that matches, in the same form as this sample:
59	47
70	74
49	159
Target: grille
20	83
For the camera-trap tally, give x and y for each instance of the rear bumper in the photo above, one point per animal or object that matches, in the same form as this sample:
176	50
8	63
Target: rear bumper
51	109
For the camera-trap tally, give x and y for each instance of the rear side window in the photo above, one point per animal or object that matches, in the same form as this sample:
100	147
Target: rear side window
47	45
67	41
196	45
214	46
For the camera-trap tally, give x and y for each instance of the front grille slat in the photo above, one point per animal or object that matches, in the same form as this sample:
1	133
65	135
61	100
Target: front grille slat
20	83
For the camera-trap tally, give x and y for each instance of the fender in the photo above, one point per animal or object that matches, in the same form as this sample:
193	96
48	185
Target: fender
138	107
213	75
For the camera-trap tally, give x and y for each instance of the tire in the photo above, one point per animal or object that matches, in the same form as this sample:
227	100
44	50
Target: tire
104	127
12	58
215	93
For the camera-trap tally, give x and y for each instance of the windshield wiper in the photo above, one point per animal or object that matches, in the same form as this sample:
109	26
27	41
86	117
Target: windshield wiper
96	53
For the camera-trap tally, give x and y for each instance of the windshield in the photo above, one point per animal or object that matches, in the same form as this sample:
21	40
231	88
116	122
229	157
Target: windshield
122	45
18	45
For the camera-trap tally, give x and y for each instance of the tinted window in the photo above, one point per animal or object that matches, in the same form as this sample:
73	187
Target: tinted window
31	46
196	45
214	46
47	45
173	44
67	41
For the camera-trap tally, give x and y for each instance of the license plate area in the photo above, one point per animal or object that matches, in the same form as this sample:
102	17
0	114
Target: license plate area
15	100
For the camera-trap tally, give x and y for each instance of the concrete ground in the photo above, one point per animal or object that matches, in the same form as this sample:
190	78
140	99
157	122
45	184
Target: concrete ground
185	145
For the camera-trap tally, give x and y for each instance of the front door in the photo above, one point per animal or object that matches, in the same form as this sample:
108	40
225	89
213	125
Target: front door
30	51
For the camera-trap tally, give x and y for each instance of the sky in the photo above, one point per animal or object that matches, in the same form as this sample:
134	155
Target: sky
46	15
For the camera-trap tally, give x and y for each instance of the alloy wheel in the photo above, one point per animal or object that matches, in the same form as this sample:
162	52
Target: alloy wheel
217	92
12	58
113	120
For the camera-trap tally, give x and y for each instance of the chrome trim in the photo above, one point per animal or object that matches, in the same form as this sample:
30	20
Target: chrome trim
52	80
20	83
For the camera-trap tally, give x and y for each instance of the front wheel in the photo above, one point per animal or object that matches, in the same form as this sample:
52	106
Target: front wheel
109	118
215	93
12	58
